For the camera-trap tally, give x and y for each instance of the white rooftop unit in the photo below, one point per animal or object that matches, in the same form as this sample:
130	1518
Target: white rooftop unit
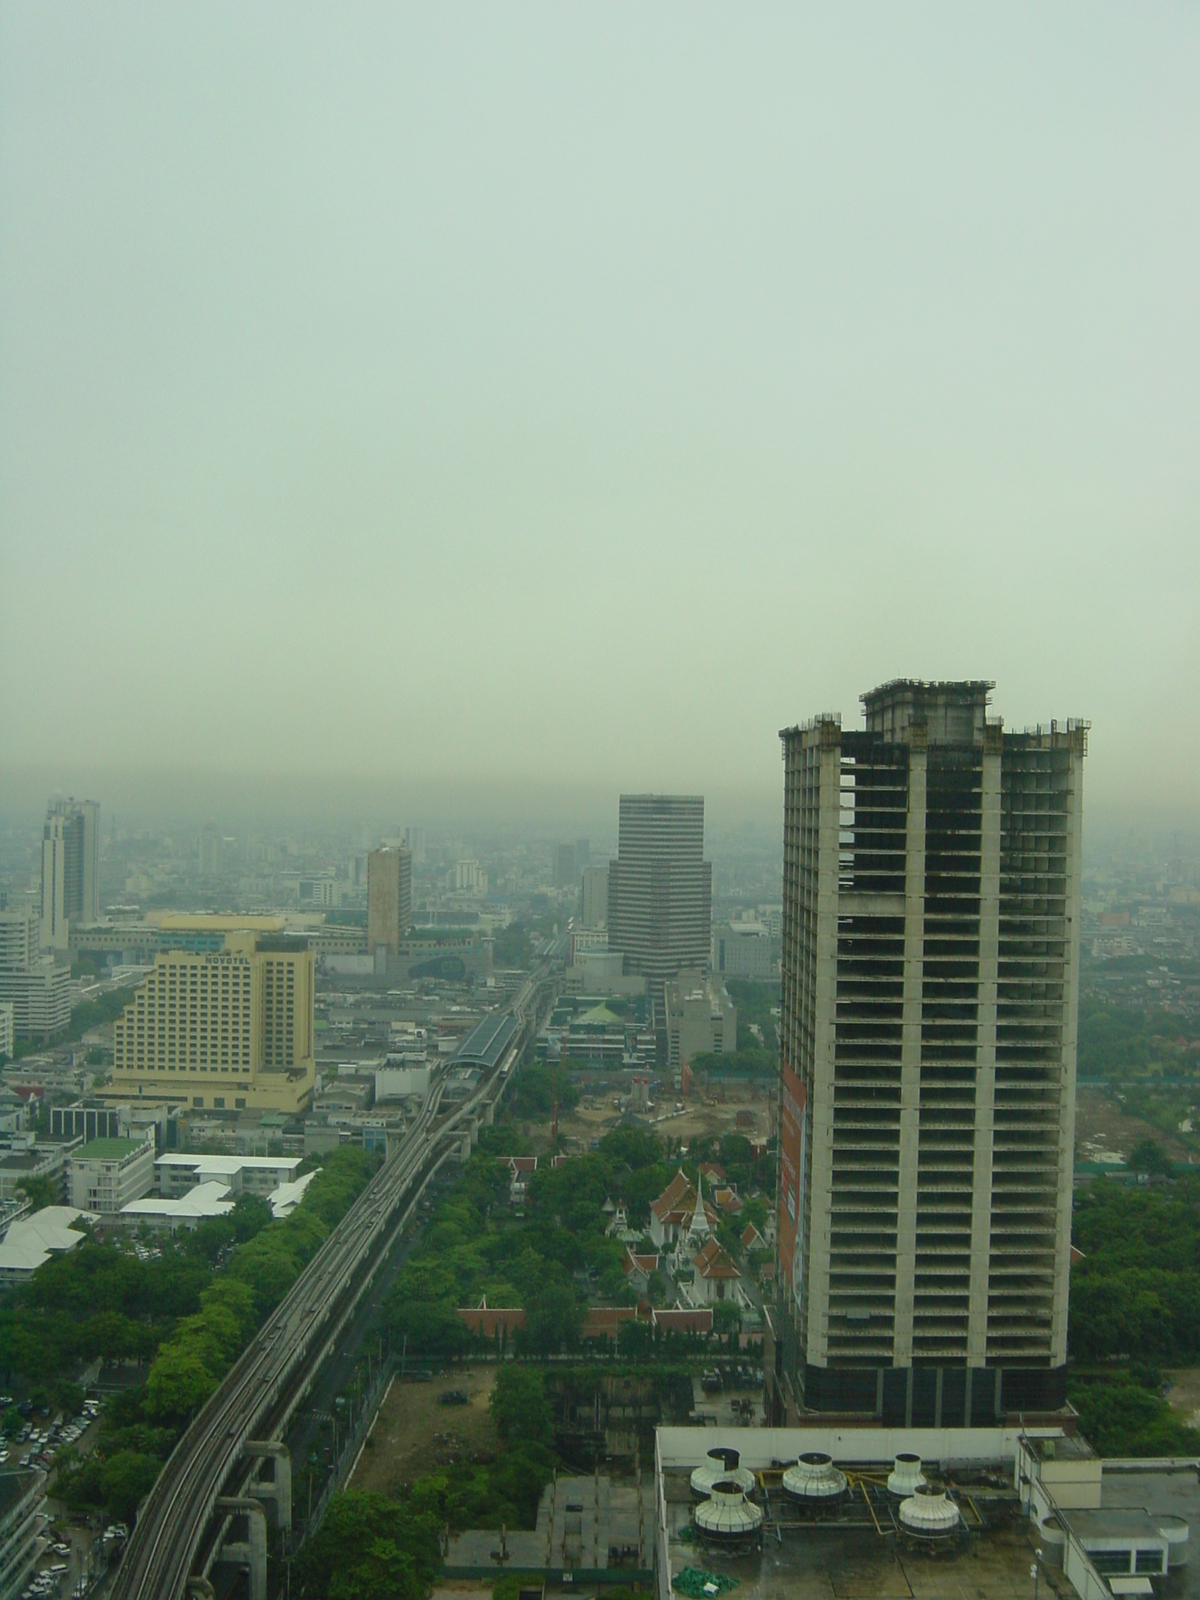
813	1479
929	1514
721	1463
906	1476
727	1516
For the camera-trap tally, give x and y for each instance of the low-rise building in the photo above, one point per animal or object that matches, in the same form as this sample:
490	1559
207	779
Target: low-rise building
674	1212
31	1240
18	1166
106	1175
177	1173
22	1513
717	1278
701	1019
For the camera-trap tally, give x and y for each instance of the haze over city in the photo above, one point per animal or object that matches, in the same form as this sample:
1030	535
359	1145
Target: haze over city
599	759
558	402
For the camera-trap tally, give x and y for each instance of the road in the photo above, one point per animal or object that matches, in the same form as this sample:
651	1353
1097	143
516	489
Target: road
204	1465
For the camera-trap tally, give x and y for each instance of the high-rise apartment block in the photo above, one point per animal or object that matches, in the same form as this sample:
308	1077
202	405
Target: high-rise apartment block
931	905
36	986
660	888
593	896
70	887
229	1030
389	898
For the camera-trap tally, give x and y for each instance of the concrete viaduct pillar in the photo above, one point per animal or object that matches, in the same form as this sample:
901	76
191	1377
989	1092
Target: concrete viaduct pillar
253	1553
278	1489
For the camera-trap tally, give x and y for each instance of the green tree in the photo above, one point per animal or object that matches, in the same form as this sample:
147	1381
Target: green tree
371	1548
1148	1156
519	1406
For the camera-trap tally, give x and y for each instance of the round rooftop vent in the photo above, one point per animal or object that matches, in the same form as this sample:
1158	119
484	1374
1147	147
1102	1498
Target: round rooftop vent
906	1476
721	1463
929	1515
727	1514
814	1478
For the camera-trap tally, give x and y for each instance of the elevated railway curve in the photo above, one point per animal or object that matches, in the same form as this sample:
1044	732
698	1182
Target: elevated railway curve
261	1388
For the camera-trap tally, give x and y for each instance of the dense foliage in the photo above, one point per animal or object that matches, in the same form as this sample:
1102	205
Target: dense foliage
371	1548
189	1320
1136	1294
538	1089
1123	1413
1117	1042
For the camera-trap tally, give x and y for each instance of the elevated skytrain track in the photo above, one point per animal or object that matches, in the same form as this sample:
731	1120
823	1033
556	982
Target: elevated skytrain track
258	1391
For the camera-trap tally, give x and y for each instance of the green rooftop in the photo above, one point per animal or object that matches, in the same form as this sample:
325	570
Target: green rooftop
110	1149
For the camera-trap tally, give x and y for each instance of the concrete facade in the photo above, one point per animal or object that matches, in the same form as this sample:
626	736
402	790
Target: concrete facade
70	894
929	1001
223	1031
701	1019
105	1175
389	898
660	888
742	950
593	896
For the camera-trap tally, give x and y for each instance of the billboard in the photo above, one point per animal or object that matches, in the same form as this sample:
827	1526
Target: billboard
793	1157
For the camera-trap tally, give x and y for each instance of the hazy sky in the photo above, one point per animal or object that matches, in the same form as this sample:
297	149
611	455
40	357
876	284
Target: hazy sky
583	393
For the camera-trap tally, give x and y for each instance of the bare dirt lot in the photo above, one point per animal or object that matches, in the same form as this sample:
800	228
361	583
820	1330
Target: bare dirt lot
1102	1124
714	1112
415	1433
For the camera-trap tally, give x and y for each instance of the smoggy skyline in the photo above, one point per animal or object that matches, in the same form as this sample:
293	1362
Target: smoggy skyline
551	400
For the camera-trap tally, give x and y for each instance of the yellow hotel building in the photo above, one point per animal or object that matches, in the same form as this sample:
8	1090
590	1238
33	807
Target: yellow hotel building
225	1031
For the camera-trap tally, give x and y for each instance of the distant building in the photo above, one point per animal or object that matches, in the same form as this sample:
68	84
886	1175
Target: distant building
70	886
212	851
468	877
701	1019
931	915
105	1175
593	896
565	868
20	938
389	898
743	950
414	839
7	1035
228	1030
660	888
40	996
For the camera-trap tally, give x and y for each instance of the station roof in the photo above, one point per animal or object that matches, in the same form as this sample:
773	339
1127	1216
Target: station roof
487	1042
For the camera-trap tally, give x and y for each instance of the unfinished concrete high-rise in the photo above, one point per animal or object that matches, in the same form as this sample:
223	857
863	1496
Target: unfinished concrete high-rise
931	903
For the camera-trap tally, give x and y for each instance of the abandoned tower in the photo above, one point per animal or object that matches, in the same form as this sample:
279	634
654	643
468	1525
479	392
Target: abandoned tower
931	894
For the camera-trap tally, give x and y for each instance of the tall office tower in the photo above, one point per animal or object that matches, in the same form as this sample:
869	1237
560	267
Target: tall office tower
211	851
593	896
931	903
566	870
660	888
70	887
389	898
225	1031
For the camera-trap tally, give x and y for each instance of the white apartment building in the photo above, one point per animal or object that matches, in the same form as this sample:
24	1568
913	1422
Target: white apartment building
105	1175
742	950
